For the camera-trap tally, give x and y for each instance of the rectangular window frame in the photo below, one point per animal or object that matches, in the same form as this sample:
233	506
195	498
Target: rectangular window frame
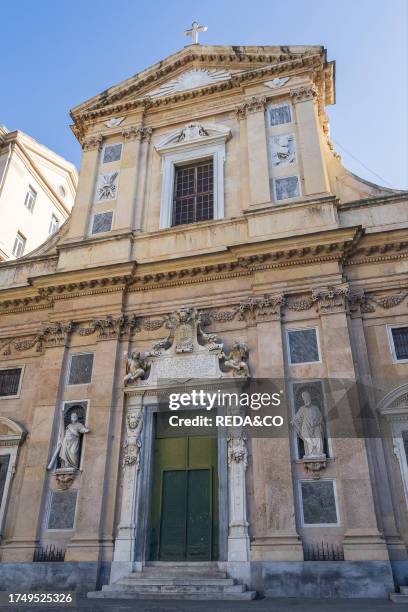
23	241
336	502
171	160
70	385
194	163
30	192
56	225
111	144
392	345
20	384
284	200
278	105
101	212
294	329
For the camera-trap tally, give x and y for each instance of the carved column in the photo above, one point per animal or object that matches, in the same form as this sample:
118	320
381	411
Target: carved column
362	540
238	539
124	552
273	527
80	217
315	178
259	186
49	379
129	178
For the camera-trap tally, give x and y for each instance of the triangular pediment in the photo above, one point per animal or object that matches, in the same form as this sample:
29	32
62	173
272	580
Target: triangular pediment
195	67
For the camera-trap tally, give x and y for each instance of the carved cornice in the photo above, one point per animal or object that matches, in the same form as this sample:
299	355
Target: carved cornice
374	253
253	105
276	65
92	142
303	93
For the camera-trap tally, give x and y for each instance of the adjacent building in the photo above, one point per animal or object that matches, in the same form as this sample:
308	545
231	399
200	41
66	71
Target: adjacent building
215	231
37	192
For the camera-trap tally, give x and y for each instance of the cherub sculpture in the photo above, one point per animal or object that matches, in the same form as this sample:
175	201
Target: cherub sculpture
136	366
235	361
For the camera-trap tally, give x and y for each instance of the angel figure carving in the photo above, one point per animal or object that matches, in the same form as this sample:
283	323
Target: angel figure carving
107	186
136	366
235	361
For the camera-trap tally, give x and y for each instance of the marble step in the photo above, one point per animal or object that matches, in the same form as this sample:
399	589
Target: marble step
199	595
404	590
399	597
178	581
176	588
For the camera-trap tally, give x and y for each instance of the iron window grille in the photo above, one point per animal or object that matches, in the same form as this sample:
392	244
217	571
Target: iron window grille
400	340
10	382
193	193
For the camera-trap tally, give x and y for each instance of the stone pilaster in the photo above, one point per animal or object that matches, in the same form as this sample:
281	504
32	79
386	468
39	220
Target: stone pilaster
273	525
32	502
80	217
139	209
253	111
315	178
129	178
88	540
362	540
375	452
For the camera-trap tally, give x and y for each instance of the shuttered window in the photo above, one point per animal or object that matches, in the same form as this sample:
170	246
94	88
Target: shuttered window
194	193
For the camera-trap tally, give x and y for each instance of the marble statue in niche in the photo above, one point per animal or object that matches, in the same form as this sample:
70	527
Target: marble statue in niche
309	426
68	449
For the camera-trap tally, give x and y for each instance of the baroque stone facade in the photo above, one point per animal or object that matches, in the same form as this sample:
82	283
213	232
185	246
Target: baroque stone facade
297	274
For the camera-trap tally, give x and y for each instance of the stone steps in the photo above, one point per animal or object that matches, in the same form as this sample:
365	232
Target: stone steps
401	597
154	581
193	581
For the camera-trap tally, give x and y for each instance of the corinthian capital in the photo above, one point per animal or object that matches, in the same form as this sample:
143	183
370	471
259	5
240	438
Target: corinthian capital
303	93
92	142
331	299
137	133
252	105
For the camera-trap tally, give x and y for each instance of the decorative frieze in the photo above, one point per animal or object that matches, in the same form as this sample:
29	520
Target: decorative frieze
303	93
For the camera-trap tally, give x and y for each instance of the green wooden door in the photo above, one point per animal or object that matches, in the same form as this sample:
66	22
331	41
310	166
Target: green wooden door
185	500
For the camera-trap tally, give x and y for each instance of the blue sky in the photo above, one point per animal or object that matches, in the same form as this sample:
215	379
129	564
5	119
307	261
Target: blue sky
62	52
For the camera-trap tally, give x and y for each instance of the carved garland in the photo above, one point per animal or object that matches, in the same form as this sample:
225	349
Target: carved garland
253	309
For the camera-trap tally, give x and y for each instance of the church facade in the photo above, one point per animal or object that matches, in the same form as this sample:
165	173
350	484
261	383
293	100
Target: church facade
215	235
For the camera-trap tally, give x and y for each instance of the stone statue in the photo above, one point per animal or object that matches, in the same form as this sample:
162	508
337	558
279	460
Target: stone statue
136	366
308	424
68	447
235	361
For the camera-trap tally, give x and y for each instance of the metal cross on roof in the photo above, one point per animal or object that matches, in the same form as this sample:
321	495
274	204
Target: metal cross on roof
194	30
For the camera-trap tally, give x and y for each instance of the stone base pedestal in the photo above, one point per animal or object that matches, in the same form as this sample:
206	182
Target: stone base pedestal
279	547
364	545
